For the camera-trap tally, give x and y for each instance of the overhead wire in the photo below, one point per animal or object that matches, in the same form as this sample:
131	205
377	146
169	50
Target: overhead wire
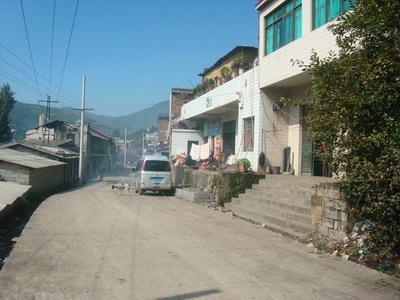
40	75
19	82
68	47
30	77
29	45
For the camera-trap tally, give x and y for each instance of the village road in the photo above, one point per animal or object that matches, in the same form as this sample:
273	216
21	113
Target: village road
92	243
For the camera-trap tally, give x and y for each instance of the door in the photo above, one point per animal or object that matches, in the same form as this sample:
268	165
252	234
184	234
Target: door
228	137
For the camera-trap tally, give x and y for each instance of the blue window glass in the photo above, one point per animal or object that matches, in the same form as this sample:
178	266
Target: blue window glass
319	10
297	23
333	9
283	25
327	10
269	38
288	29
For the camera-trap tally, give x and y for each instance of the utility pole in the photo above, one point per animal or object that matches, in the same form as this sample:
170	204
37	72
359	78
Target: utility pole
48	102
125	151
82	109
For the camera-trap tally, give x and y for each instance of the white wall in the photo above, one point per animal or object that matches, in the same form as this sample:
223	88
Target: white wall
280	78
219	96
277	66
251	106
180	137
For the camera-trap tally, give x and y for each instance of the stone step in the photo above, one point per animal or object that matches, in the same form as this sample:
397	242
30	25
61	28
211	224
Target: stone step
193	195
288	181
267	202
280	224
287	186
264	208
291	198
283	188
298	179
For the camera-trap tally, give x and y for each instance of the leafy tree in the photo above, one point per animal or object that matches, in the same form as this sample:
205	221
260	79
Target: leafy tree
354	112
7	102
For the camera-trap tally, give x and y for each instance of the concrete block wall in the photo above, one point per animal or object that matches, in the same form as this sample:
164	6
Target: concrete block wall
47	180
14	173
329	211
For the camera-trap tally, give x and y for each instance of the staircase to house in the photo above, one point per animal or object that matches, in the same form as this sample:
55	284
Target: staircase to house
281	202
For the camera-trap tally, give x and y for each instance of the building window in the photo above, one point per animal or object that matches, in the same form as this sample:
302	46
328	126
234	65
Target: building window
327	10
283	25
248	134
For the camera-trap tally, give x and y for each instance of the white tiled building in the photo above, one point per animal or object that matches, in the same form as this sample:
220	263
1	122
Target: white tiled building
291	29
288	30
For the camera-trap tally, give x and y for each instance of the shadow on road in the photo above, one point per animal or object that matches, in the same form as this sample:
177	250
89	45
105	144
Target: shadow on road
190	295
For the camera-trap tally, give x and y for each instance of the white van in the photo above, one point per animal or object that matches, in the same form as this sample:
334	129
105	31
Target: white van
153	173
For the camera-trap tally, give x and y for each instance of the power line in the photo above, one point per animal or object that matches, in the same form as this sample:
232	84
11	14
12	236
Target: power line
68	47
29	45
20	82
30	67
52	43
28	76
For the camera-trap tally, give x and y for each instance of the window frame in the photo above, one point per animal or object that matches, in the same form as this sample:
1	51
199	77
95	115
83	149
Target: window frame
282	18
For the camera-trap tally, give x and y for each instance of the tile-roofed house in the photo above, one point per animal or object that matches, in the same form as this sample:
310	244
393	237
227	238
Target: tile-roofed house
69	157
43	174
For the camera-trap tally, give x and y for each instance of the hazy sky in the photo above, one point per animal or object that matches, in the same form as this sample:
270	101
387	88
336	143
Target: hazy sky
132	52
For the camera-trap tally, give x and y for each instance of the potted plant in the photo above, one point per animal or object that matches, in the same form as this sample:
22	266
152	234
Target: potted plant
226	73
199	89
236	65
209	84
244	165
240	64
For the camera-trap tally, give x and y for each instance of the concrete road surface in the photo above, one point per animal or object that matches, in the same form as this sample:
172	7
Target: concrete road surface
93	243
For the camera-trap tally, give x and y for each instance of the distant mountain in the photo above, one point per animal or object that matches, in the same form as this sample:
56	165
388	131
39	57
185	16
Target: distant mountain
25	116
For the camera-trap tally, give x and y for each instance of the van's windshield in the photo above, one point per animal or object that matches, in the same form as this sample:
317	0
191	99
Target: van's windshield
157	165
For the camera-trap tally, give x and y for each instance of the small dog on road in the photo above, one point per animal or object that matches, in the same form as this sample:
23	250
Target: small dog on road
121	187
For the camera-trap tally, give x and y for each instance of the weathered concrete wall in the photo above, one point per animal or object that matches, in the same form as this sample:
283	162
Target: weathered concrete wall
14	173
47	180
329	211
223	185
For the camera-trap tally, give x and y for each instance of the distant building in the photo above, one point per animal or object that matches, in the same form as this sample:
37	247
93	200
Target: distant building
234	63
162	134
178	97
53	131
99	149
162	128
44	175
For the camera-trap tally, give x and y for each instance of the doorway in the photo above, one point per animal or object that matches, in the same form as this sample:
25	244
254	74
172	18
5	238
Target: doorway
228	137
